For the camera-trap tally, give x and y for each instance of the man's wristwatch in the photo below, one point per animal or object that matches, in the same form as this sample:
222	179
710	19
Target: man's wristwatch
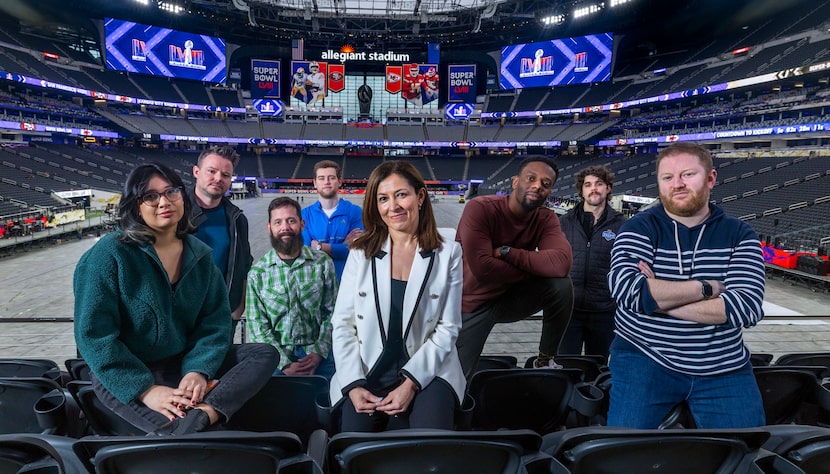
706	290
503	251
318	247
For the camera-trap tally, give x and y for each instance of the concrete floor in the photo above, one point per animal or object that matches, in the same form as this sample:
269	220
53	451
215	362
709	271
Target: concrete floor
36	301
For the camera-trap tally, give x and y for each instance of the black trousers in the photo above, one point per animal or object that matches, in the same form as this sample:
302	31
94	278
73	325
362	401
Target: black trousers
553	296
245	370
433	408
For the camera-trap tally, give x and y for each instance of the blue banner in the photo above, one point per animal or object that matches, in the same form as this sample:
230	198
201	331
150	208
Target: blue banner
459	111
272	108
462	83
579	60
265	79
146	49
434	53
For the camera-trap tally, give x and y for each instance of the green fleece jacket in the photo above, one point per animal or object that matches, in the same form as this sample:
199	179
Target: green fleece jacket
127	313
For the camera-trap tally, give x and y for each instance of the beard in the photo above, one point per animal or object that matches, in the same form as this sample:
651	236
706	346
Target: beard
327	194
287	243
698	199
528	205
595	199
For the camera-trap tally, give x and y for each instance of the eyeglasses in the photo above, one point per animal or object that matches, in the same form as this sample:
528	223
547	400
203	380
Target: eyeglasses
152	198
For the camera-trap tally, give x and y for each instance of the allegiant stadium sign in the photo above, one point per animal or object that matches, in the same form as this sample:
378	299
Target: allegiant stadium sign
389	56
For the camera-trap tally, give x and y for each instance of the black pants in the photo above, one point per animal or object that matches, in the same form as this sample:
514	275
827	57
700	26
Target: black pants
595	330
245	370
432	408
553	296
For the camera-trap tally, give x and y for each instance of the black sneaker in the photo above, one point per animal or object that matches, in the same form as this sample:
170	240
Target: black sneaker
195	421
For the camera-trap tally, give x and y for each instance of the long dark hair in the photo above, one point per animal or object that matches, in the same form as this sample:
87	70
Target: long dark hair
376	231
133	228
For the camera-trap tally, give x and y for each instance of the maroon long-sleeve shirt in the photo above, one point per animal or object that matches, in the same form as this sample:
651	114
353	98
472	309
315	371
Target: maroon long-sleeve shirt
538	248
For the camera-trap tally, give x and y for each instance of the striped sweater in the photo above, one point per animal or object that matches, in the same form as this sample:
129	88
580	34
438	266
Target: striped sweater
721	248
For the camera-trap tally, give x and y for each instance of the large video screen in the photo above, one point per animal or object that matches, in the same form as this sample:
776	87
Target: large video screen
564	61
146	49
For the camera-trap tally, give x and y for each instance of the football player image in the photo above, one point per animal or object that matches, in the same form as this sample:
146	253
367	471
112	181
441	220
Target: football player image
298	84
430	85
412	82
316	83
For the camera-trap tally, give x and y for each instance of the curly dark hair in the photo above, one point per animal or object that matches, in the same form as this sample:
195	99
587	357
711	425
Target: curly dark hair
603	173
132	226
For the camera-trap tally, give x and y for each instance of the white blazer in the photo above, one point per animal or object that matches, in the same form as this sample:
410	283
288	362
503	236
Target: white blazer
431	317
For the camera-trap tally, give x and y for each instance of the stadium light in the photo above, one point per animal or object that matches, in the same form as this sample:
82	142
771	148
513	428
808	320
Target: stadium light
169	7
588	10
616	3
553	20
143	2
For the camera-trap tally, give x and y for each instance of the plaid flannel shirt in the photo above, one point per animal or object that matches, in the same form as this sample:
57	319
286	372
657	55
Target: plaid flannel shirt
291	305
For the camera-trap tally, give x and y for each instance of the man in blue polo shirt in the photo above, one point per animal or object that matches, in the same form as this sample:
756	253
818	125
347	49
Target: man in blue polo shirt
331	223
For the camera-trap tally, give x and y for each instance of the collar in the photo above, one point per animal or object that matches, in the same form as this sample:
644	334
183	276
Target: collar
423	253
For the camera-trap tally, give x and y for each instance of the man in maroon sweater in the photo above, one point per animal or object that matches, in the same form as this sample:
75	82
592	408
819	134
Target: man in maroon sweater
516	263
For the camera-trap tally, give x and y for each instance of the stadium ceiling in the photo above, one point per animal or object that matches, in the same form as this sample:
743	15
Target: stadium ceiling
649	26
375	8
389	22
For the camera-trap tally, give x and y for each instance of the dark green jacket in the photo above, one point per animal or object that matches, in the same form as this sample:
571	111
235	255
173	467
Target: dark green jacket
127	313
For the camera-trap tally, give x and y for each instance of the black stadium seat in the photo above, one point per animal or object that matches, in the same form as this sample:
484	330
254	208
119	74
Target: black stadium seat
217	452
417	451
612	450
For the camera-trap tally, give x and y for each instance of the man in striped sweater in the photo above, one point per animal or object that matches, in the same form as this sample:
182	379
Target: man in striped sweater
687	278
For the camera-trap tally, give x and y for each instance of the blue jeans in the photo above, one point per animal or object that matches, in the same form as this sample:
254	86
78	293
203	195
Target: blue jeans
643	392
325	369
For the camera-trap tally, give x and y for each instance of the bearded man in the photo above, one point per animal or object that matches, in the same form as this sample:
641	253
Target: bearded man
687	279
516	263
291	295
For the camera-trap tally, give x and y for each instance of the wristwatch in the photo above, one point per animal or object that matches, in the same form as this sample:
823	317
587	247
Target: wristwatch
318	247
706	289
503	251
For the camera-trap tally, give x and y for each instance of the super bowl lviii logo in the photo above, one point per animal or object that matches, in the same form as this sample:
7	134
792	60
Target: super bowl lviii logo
139	50
538	65
187	56
581	62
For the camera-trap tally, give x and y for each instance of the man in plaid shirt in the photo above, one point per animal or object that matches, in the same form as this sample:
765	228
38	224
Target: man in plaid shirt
291	295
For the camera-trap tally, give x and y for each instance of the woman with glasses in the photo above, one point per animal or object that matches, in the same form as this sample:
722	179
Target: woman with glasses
152	317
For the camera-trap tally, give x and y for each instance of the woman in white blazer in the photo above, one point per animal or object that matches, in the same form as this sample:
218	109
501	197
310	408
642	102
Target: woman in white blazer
398	313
